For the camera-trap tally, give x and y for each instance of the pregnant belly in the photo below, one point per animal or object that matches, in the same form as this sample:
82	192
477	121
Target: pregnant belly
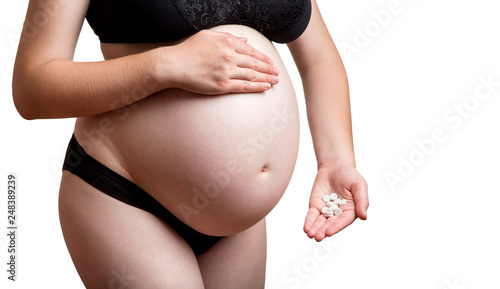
219	163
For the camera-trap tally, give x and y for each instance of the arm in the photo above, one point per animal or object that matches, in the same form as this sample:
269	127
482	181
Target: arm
328	111
47	83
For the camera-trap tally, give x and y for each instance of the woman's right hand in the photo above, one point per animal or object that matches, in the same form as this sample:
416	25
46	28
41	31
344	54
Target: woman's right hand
212	62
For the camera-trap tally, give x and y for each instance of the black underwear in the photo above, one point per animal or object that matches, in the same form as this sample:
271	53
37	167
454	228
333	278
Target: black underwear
140	21
81	164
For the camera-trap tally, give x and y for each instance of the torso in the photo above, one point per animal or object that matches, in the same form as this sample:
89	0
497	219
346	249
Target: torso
219	163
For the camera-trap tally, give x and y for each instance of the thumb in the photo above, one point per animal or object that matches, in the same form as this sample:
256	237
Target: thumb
359	191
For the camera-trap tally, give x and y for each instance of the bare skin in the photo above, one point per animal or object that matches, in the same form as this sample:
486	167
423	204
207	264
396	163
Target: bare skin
48	84
108	238
237	149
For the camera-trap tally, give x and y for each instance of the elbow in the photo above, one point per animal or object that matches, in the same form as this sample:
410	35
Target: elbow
24	110
24	102
23	99
29	93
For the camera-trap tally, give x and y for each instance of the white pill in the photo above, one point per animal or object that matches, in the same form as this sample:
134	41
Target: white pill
329	204
324	210
338	212
326	198
333	196
333	208
342	202
329	214
336	201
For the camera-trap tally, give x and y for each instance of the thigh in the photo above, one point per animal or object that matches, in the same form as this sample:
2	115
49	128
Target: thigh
117	246
236	261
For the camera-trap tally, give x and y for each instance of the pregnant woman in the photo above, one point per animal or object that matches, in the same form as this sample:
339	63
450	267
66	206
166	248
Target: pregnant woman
186	134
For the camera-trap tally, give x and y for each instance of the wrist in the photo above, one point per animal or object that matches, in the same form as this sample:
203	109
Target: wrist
336	162
334	153
163	68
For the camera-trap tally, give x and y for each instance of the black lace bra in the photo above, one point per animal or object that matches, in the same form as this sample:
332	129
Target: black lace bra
141	21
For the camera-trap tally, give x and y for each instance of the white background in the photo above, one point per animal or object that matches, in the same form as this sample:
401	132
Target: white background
435	227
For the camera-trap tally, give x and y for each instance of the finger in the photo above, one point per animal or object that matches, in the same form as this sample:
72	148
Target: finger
342	221
321	233
249	62
254	76
311	216
246	49
318	223
236	85
360	194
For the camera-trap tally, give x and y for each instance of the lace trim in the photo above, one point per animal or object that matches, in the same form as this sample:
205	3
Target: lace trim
265	16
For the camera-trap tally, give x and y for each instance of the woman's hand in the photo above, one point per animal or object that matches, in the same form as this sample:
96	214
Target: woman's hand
348	184
213	62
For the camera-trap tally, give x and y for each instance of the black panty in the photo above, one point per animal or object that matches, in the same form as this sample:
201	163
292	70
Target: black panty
79	163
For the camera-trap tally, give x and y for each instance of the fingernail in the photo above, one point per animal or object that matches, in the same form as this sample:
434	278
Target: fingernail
270	61
276	71
275	79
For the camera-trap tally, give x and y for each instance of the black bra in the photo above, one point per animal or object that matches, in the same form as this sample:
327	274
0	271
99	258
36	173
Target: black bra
142	21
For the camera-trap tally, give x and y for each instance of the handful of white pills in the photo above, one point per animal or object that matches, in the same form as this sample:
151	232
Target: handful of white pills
332	205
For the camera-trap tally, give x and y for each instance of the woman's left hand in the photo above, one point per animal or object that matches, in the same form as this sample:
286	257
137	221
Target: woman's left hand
348	184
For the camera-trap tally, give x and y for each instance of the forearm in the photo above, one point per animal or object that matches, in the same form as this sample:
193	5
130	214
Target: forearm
326	92
328	110
64	88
